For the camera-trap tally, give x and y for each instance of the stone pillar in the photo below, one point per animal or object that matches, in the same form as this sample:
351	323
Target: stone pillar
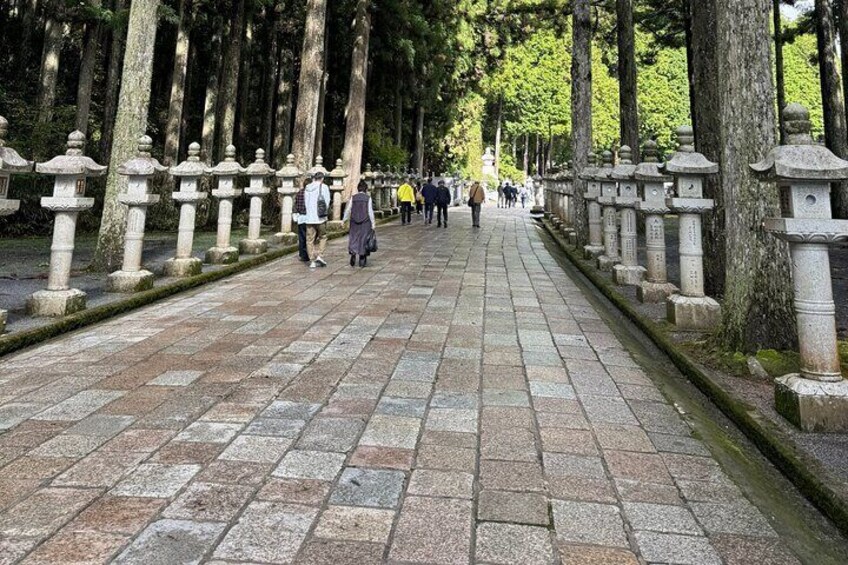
816	398
610	256
691	309
390	179
132	277
256	172
628	272
189	172
289	176
377	192
227	171
656	288
10	163
393	194
569	194
337	180
70	171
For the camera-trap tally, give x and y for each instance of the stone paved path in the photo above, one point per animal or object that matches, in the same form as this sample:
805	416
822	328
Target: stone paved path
458	401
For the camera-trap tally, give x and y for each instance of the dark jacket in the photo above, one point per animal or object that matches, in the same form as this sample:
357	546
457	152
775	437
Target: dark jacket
429	193
443	196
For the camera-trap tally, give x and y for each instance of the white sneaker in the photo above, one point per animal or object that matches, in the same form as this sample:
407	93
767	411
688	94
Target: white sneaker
320	261
312	265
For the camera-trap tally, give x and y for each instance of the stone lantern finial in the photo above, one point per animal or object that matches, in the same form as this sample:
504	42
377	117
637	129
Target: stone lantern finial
650	152
145	146
194	151
625	154
260	155
76	143
606	158
230	153
685	139
797	124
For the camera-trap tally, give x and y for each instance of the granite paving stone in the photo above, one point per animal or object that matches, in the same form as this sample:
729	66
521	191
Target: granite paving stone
433	530
452	484
510	544
355	524
676	548
268	532
302	464
515	507
172	542
369	487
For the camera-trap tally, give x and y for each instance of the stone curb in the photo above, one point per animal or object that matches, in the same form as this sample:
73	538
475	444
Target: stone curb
20	340
806	473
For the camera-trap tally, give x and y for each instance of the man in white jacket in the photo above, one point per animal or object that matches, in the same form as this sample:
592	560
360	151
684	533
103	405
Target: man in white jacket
317	200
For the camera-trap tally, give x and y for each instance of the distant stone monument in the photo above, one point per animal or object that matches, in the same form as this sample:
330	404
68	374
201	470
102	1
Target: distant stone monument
489	165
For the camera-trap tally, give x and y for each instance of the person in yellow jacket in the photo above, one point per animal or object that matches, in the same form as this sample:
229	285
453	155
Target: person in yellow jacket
406	197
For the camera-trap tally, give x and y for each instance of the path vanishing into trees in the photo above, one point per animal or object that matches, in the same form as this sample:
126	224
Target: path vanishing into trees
463	399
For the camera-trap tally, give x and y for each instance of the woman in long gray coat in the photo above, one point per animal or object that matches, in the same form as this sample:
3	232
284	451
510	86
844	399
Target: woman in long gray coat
360	213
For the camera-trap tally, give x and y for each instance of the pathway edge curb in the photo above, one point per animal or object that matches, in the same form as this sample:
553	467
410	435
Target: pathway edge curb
777	447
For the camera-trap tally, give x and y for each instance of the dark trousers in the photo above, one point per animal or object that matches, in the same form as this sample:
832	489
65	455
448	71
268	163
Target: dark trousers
301	242
428	212
443	213
406	212
475	215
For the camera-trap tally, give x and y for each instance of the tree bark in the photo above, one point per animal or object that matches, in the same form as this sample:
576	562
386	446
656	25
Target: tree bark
282	120
113	83
780	75
309	85
270	82
581	110
355	126
130	124
228	96
210	104
526	154
419	140
245	145
498	138
319	123
54	32
91	42
178	82
398	113
757	310
628	106
833	105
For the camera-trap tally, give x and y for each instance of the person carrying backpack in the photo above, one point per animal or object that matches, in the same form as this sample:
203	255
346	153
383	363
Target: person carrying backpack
360	214
317	203
442	201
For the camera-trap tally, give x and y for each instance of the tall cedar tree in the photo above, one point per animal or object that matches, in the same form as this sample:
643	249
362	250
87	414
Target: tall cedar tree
309	86
355	127
581	110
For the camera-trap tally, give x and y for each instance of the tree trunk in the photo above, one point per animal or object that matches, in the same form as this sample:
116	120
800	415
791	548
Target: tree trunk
113	83
627	77
355	126
228	96
581	110
498	139
282	120
399	113
54	32
757	310
210	105
245	142
526	154
690	67
833	106
705	117
780	75
419	140
319	123
130	124
309	85
270	82
843	39
178	82
91	42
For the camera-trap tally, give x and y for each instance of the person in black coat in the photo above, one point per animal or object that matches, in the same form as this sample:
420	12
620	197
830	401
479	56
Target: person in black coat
442	201
429	193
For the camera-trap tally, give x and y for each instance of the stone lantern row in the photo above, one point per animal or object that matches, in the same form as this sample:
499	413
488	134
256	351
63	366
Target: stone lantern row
815	398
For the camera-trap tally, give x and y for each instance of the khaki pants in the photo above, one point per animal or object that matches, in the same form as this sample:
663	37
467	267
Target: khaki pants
316	240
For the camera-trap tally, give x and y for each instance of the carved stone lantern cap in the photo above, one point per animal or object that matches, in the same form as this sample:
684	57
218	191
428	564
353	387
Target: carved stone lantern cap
10	161
625	168
289	170
229	167
368	173
378	174
649	169
73	162
591	168
259	168
801	158
142	165
686	160
339	172
318	168
192	166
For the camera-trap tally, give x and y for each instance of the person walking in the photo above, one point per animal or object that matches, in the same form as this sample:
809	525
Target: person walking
442	200
300	218
523	195
360	214
317	200
419	199
501	193
476	197
429	194
406	197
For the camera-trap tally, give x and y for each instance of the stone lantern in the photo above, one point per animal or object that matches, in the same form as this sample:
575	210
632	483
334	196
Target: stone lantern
569	193
628	272
337	186
377	192
189	172
550	200
132	277
70	171
257	172
223	253
393	196
816	398
10	163
691	309
391	181
609	191
289	176
656	288
591	174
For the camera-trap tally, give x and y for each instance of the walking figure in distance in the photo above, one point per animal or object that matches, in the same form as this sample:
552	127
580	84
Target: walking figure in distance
429	194
317	200
360	214
406	197
442	200
476	197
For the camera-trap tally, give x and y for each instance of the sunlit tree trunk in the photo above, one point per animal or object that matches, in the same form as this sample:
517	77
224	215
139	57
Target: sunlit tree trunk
54	33
283	118
309	85
780	75
113	82
178	81
419	140
228	96
91	42
270	81
581	109
627	77
130	123
245	142
398	113
210	104
355	126
498	137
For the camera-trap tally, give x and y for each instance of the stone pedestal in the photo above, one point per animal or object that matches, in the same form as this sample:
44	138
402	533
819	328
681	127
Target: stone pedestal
596	247
227	170
289	176
189	172
56	303
629	272
257	172
610	256
813	406
693	313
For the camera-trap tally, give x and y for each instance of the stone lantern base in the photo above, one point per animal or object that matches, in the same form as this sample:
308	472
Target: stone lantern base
253	246
378	215
3	317
813	406
592	251
56	303
285	238
606	263
628	276
181	268
693	313
572	237
123	281
653	293
539	211
222	255
395	211
335	226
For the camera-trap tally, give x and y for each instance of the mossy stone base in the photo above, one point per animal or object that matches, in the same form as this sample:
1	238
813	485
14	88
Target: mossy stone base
378	215
813	406
655	293
628	276
605	263
285	238
126	282
592	251
253	246
690	313
182	268
222	255
56	303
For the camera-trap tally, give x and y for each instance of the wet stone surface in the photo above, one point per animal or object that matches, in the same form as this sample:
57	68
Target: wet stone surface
458	401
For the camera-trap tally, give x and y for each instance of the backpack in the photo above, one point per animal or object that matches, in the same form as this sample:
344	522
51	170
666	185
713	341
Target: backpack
322	205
